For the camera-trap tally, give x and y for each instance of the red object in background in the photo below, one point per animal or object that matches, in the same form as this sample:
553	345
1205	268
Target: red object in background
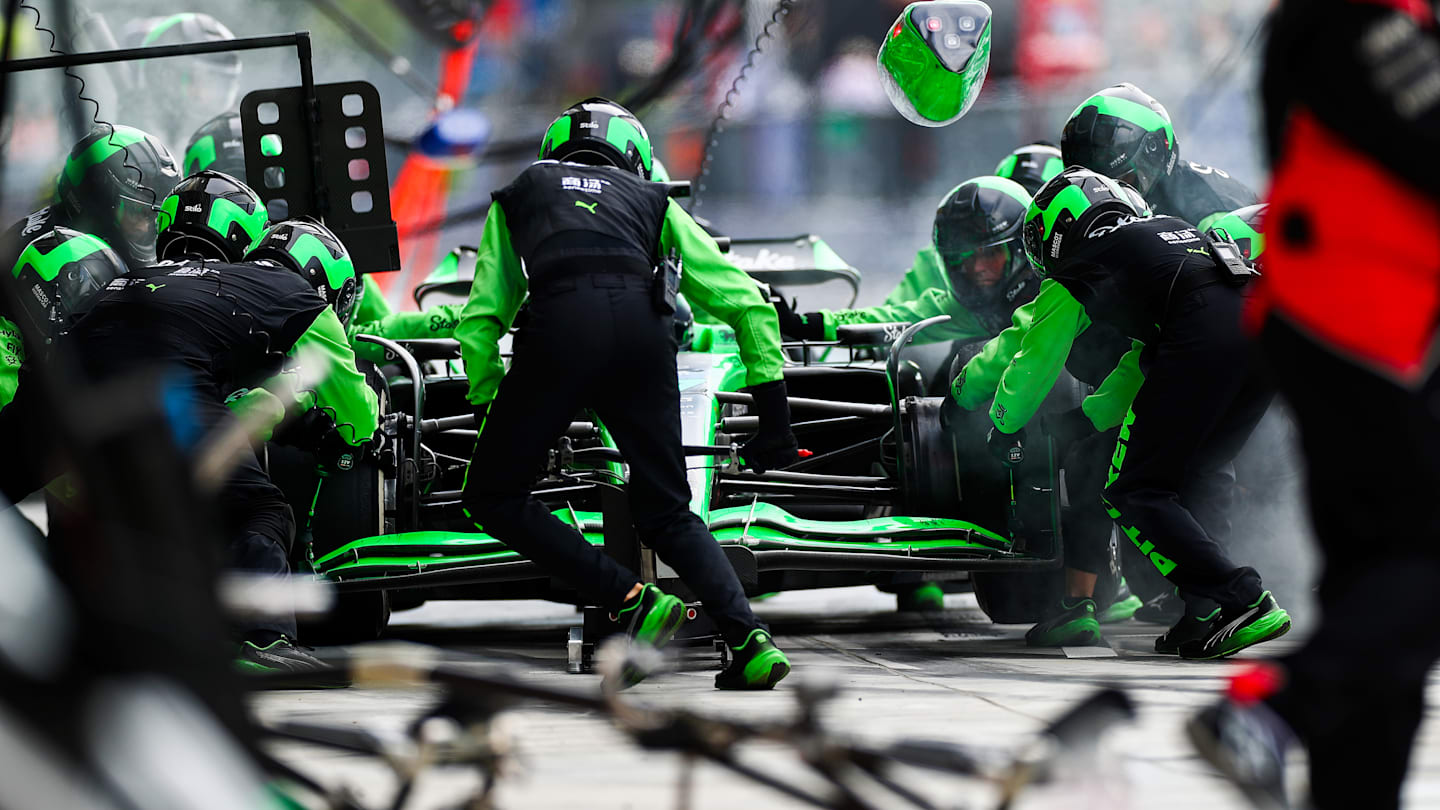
1059	39
422	185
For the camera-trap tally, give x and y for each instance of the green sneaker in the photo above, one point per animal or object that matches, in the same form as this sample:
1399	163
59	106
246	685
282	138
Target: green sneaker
653	617
1074	626
1189	628
756	664
927	597
1122	607
1237	628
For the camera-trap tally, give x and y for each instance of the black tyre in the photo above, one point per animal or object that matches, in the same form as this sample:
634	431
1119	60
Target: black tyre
350	507
1018	597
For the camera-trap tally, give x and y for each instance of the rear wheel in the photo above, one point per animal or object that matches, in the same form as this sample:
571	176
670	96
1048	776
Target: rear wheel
350	507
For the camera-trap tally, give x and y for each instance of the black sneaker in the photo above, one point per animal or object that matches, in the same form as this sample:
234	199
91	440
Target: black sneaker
756	664
1237	628
283	664
1167	609
1247	743
1189	628
1074	626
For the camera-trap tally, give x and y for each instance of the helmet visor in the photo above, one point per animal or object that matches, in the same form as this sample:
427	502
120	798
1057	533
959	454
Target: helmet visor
978	277
135	230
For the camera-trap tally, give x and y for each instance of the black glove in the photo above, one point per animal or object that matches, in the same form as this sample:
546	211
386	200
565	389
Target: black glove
810	326
1066	428
315	431
1009	448
774	445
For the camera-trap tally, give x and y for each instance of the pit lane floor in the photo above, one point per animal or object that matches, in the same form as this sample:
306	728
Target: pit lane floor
951	675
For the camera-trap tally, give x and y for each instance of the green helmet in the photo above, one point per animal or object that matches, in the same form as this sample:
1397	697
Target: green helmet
934	60
58	276
196	86
112	181
599	132
209	215
1244	227
1122	132
1071	205
1137	201
217	146
977	234
450	281
306	247
1031	165
658	172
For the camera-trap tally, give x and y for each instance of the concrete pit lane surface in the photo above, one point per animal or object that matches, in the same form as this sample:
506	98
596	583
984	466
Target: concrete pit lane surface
951	676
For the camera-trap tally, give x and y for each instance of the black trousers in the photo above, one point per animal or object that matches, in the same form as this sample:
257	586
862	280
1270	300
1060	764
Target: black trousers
1355	691
1203	396
596	340
256	520
1086	526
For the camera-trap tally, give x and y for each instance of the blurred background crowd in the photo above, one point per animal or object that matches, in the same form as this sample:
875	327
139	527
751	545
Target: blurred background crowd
810	146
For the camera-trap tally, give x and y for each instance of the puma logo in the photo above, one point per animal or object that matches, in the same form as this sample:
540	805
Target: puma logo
587	206
154	287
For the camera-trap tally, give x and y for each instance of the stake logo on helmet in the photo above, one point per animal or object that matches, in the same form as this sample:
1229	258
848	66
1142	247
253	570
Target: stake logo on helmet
310	249
217	145
934	60
1244	227
600	132
210	215
1068	208
59	274
977	234
112	181
1031	165
1122	132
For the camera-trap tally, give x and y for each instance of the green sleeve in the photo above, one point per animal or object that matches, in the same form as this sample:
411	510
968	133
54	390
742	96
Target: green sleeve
495	296
925	273
1111	401
436	322
261	409
961	326
12	356
325	365
372	305
1027	375
977	382
715	285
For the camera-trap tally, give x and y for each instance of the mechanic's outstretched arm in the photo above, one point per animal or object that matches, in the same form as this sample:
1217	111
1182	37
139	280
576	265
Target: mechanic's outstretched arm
1106	408
372	305
438	321
495	296
338	388
712	282
925	272
1025	360
934	301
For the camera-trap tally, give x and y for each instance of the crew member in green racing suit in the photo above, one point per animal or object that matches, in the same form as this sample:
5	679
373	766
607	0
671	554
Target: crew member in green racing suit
220	318
374	316
590	228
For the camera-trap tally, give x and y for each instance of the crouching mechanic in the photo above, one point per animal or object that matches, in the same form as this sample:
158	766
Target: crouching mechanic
590	229
1159	281
215	325
975	248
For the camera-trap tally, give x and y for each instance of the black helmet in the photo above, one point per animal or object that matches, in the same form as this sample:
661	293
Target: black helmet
217	146
306	247
210	215
600	132
1122	132
110	186
1031	165
1071	205
58	276
977	234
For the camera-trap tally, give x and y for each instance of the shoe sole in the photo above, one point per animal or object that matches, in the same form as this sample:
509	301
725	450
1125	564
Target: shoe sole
1208	748
1271	626
1120	611
775	672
